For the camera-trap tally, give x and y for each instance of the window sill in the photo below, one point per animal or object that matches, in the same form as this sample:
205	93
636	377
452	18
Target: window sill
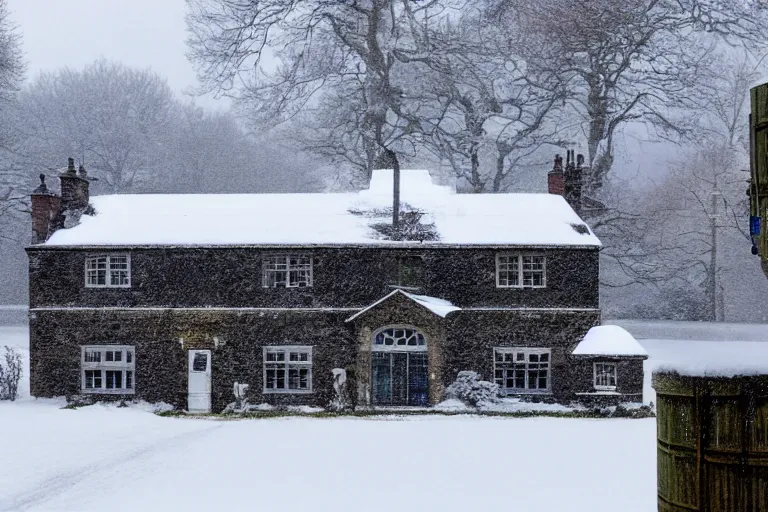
412	289
500	287
109	391
100	287
506	392
287	392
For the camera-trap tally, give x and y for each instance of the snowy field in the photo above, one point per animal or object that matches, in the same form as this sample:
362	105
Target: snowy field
105	458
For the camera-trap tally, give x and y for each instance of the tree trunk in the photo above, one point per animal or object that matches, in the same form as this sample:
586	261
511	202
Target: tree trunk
713	259
395	189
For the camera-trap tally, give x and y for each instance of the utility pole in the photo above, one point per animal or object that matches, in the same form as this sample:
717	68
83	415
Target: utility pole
713	254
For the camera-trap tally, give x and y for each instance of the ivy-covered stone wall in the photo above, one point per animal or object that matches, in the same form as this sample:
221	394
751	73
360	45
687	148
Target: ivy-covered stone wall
342	277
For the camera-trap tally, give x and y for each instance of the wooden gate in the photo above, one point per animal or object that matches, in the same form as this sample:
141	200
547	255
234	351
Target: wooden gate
712	443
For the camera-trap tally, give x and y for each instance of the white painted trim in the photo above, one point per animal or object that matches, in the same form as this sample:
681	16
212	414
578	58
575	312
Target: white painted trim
309	364
300	309
108	277
374	304
373	245
399	348
390	294
192	309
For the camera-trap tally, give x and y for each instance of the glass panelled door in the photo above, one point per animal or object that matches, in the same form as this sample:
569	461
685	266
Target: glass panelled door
400	378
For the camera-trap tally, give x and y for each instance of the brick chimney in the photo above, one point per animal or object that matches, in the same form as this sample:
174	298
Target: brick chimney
74	189
573	180
46	209
568	181
51	211
555	178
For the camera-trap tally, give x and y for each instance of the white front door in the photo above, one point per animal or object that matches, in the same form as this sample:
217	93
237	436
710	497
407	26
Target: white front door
199	398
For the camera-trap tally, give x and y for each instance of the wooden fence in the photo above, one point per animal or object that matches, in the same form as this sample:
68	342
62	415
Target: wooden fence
712	443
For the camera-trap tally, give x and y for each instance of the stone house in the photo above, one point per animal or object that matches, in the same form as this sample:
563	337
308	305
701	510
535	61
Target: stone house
175	298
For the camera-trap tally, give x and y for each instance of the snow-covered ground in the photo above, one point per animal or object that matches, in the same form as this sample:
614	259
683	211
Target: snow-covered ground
107	458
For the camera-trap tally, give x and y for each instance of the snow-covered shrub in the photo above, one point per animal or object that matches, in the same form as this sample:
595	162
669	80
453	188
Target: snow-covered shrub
10	374
75	401
641	411
471	390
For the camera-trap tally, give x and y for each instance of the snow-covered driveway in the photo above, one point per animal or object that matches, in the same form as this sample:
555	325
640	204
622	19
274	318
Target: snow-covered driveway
104	458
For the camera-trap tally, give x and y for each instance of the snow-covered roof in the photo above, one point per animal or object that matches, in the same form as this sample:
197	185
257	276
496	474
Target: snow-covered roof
729	363
326	219
440	307
609	340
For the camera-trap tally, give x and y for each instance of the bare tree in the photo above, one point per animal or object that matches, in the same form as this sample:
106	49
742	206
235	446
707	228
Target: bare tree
491	110
11	371
110	117
211	152
12	70
12	65
320	46
700	210
635	60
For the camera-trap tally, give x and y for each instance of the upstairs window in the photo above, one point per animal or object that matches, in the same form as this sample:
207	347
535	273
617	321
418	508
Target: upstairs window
108	271
288	271
287	369
520	271
108	369
605	376
409	273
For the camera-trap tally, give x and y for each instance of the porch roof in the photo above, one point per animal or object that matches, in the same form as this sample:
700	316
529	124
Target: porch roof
609	340
439	307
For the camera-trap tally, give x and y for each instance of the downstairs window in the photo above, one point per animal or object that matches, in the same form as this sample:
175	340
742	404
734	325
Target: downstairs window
108	369
522	370
605	376
287	369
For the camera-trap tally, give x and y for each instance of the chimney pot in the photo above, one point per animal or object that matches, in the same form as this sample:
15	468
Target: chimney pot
82	172
74	189
46	208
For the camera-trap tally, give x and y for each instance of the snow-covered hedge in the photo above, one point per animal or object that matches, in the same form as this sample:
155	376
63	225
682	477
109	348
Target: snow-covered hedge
471	390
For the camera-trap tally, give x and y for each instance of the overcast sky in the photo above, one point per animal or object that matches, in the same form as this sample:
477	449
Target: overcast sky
139	33
152	33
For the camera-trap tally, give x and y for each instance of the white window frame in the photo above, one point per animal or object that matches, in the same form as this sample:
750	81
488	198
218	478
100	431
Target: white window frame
126	366
526	351
287	365
595	374
399	348
288	269
92	259
520	271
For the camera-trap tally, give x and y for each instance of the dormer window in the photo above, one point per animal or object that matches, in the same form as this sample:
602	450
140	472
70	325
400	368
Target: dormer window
108	271
287	271
520	271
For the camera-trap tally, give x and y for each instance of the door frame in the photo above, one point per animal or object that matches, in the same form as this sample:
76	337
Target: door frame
395	349
206	394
